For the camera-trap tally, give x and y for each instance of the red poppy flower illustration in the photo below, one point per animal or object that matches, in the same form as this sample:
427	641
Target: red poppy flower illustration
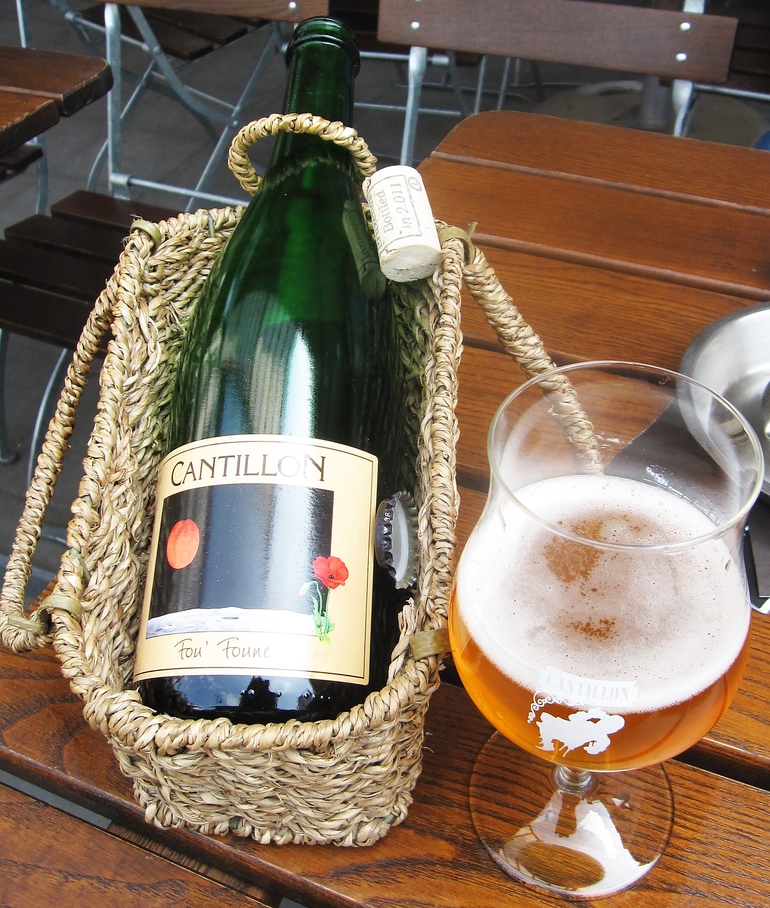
331	571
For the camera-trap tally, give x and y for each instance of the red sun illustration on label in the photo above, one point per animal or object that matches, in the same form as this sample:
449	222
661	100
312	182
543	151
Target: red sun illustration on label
183	542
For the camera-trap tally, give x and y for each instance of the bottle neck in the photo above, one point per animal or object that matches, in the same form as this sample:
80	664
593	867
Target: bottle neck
320	81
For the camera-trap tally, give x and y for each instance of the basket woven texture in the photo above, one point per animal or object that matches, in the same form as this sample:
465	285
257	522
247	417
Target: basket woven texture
344	781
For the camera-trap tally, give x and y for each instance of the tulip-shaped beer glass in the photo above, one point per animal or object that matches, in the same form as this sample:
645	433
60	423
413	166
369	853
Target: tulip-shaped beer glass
600	614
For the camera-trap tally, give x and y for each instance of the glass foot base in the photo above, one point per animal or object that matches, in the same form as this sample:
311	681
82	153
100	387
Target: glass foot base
587	840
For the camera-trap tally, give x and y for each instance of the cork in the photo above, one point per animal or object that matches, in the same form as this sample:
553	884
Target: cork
402	222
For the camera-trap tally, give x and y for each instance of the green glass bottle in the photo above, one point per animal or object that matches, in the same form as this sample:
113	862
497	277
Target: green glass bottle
263	600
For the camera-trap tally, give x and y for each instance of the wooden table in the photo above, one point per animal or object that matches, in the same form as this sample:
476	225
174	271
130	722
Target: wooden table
614	244
37	87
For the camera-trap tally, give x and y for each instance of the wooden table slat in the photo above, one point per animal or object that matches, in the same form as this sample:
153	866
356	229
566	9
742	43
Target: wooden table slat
569	305
51	858
608	228
24	117
72	81
646	163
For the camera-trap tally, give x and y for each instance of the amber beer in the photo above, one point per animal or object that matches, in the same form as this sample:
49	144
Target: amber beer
611	644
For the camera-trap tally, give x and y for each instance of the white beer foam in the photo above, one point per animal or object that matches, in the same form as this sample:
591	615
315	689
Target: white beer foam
671	622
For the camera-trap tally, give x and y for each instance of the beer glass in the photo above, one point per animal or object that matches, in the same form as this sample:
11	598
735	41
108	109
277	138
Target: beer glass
600	614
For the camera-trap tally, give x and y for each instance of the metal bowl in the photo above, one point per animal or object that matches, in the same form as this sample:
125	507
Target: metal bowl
732	357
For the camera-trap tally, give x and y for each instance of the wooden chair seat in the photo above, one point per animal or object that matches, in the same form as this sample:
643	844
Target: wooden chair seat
181	34
19	159
53	267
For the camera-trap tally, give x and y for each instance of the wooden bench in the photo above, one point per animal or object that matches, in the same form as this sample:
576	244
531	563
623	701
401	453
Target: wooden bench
181	34
18	160
53	267
37	87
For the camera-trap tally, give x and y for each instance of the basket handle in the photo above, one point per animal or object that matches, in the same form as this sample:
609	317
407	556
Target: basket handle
344	136
17	631
526	347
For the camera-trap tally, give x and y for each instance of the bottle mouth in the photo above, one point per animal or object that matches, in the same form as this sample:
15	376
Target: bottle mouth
325	30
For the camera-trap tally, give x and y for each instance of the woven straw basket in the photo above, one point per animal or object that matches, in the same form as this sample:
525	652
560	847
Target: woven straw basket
344	781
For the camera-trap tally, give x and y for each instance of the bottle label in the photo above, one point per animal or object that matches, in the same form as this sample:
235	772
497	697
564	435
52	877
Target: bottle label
261	561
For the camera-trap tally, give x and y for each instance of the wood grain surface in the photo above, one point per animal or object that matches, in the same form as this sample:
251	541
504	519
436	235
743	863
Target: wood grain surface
266	9
640	162
49	858
433	859
71	81
22	117
607	36
613	244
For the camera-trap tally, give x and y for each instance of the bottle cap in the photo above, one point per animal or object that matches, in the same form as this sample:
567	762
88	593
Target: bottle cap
395	538
403	225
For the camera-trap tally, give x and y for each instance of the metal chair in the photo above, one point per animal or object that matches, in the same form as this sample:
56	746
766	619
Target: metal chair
211	26
681	46
361	16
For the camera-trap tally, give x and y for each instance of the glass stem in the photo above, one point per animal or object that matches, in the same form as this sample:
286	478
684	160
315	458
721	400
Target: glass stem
578	782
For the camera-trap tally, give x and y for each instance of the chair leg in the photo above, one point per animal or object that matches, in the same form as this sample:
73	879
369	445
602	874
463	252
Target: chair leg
418	61
454	75
51	532
539	87
480	82
682	98
83	35
6	454
656	102
115	120
41	203
504	81
161	75
273	46
186	95
114	97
